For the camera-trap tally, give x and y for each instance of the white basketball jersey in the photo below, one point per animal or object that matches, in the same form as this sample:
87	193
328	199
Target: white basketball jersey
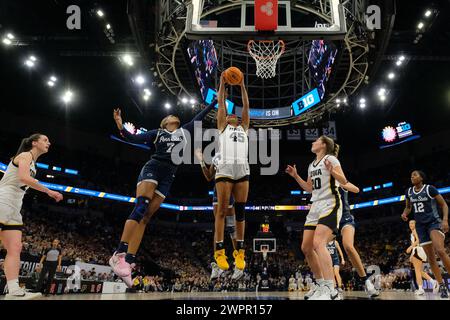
11	189
233	145
324	186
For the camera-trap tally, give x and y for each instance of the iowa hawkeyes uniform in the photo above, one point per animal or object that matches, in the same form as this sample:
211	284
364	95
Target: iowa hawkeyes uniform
326	205
12	192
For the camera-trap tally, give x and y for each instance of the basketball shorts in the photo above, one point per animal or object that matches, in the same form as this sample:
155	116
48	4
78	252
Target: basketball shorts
419	253
10	218
232	172
326	212
424	231
346	220
335	259
215	199
160	173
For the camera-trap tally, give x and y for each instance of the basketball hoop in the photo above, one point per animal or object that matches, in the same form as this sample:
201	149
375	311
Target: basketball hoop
266	54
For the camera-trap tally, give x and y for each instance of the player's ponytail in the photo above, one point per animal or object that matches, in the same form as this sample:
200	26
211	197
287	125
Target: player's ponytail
332	148
27	144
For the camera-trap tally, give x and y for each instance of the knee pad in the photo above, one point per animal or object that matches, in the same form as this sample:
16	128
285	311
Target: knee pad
239	208
141	207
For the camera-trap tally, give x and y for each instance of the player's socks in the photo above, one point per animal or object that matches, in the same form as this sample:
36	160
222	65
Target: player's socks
130	258
219	245
240	244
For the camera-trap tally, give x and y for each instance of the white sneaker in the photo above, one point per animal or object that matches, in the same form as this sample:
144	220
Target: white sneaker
237	274
119	265
324	293
21	294
434	285
336	294
311	291
216	272
419	292
370	289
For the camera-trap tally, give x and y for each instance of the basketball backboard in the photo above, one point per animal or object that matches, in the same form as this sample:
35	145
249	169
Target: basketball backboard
236	21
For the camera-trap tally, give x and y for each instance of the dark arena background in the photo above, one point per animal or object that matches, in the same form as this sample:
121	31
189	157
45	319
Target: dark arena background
370	74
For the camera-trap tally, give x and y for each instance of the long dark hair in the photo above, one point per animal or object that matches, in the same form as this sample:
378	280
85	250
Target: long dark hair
27	144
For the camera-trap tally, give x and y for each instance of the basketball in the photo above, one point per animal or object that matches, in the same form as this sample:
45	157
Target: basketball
233	76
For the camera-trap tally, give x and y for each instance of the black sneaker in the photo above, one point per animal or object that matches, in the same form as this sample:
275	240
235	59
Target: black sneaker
443	291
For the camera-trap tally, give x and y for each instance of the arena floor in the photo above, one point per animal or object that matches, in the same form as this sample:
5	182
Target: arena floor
358	295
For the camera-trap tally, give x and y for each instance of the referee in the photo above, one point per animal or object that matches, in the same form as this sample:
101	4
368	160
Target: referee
51	262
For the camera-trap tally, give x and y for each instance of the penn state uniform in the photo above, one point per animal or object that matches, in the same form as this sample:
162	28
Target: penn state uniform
233	146
417	251
12	192
160	169
347	218
426	214
326	205
331	247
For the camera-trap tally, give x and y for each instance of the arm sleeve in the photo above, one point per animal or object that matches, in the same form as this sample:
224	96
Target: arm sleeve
334	161
146	137
199	117
432	191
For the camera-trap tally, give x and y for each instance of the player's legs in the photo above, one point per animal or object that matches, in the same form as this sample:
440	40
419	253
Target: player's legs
239	228
337	276
348	238
437	238
223	200
429	250
240	194
417	264
311	255
12	242
321	236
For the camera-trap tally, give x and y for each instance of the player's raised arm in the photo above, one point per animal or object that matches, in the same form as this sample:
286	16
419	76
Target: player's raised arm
246	106
222	112
146	137
305	185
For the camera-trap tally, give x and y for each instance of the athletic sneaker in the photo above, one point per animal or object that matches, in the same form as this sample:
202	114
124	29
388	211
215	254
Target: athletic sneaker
434	285
324	293
21	294
128	281
312	290
239	259
216	272
237	274
341	294
370	289
119	265
336	295
221	259
443	291
419	292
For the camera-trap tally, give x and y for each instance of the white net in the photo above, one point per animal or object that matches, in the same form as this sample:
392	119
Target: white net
264	253
266	54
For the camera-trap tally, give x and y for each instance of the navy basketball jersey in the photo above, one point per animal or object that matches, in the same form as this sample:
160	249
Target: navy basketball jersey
166	141
423	204
331	246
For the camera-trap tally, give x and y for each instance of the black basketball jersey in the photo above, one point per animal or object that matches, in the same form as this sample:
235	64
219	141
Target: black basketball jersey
344	198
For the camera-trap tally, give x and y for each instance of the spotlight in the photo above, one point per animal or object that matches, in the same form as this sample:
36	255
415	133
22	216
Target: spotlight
338	105
399	63
140	80
362	101
420	26
362	106
345	100
167	105
108	26
146	97
391	75
428	13
33	58
184	100
10	36
67	96
193	106
100	13
7	41
51	84
192	101
382	92
147	92
382	98
29	63
402	58
338	101
127	59
53	79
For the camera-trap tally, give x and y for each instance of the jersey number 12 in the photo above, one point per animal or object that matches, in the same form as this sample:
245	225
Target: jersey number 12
418	207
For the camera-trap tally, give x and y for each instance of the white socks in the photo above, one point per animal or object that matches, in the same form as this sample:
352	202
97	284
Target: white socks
13	286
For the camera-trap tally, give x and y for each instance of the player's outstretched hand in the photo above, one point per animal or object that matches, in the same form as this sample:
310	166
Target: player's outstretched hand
55	195
291	170
404	217
328	165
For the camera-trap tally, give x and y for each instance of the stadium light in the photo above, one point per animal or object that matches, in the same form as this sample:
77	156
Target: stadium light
10	36
50	83
391	75
184	100
338	101
428	13
362	101
401	58
192	101
382	92
108	26
6	41
100	13
345	100
67	96
128	59
383	98
362	106
420	25
399	63
53	79
147	92
140	80
167	105
193	106
29	63
146	97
